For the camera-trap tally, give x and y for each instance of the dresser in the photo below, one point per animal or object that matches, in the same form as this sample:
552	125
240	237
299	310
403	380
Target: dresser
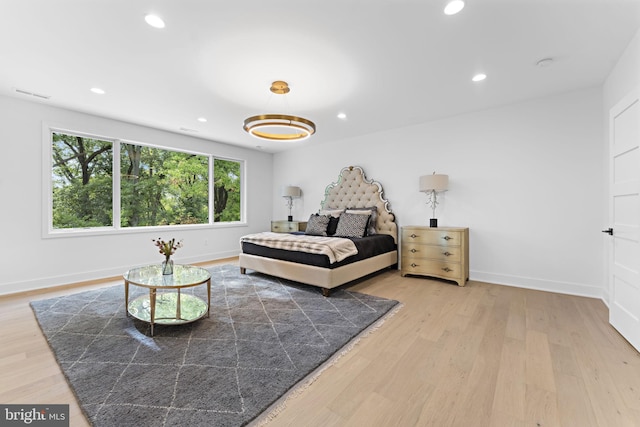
441	252
285	226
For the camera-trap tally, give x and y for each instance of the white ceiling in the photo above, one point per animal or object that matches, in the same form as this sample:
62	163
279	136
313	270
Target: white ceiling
386	64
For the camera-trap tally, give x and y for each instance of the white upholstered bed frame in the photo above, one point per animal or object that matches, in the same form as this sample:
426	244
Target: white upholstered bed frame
352	190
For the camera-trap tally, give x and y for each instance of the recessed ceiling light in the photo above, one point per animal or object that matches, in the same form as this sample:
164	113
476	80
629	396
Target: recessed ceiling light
202	119
154	20
479	77
97	90
453	7
342	116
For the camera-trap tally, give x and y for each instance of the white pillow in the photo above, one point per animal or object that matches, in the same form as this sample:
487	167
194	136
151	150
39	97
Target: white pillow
332	212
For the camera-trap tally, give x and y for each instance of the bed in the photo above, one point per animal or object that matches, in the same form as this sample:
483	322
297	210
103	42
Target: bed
351	196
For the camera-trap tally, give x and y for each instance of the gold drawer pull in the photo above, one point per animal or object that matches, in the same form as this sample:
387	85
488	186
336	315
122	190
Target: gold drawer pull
414	265
447	238
447	269
413	236
447	253
413	250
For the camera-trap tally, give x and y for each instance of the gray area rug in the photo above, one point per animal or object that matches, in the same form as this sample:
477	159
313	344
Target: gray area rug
264	336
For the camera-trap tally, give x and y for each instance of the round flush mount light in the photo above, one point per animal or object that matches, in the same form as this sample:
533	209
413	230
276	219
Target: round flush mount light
479	77
97	90
342	116
154	20
453	7
202	119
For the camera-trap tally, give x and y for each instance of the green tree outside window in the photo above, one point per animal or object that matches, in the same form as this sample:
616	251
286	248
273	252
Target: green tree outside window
82	182
157	186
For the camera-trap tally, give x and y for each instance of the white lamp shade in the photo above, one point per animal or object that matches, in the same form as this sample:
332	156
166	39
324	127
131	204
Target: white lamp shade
290	191
435	182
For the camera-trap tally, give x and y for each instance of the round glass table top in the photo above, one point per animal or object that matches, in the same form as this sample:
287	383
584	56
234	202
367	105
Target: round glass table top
151	276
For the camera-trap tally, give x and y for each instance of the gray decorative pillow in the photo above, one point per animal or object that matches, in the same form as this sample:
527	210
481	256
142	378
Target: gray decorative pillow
371	226
317	225
352	225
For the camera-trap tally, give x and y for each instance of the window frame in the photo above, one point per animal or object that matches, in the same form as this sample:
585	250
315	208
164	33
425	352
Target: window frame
48	231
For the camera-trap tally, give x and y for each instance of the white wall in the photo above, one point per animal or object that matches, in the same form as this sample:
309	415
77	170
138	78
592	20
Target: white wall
29	261
525	178
624	78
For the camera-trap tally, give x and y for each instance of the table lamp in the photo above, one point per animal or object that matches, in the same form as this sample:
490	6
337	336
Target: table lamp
289	192
432	185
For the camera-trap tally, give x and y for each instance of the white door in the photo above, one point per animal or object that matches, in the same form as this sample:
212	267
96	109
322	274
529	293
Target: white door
624	214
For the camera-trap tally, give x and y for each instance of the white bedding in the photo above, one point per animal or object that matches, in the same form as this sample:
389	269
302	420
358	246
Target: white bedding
336	248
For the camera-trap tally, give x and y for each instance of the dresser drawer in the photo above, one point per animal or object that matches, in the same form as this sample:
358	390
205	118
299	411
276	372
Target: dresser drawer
288	226
284	226
437	252
429	267
441	238
442	253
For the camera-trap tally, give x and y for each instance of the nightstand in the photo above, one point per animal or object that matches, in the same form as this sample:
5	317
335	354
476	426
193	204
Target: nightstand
285	226
441	252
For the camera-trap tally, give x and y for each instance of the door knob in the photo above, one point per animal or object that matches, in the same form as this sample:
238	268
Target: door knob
609	231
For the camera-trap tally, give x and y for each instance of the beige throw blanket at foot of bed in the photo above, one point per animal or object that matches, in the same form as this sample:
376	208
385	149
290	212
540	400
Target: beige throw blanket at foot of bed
336	248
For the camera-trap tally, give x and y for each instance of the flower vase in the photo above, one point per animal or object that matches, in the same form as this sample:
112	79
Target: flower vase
167	266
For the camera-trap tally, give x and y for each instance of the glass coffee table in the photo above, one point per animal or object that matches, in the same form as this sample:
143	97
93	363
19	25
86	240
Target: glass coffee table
167	307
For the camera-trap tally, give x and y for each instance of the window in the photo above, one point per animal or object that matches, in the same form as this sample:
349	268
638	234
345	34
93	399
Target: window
146	186
226	190
82	183
162	187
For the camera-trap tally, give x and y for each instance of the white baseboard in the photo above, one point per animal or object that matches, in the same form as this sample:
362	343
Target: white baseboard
77	277
577	289
481	276
605	296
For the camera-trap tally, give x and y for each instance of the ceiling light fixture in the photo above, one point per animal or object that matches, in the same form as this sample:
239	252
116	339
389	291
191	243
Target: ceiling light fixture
154	20
453	7
479	77
202	120
342	116
279	127
97	90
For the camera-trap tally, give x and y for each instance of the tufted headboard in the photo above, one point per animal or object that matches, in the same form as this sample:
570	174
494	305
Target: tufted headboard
354	190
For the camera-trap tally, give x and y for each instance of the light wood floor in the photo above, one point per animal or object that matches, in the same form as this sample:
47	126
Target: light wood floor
482	355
